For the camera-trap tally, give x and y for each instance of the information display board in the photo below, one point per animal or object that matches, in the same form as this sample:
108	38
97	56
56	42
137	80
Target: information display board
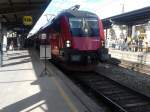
45	52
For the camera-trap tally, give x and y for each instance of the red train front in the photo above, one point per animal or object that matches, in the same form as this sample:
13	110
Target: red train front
77	37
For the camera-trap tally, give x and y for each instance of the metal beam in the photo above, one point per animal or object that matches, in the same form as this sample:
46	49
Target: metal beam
19	22
16	17
22	3
29	1
10	2
17	11
3	16
21	7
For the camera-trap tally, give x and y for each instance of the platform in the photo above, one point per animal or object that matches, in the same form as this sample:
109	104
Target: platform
137	57
22	90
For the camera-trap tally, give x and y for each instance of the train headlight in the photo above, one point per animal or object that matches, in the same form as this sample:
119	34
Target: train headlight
68	43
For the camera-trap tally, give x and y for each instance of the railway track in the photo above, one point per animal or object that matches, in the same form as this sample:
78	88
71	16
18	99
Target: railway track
118	97
136	66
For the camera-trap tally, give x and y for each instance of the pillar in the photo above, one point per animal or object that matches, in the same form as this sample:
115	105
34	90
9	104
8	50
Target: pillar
1	43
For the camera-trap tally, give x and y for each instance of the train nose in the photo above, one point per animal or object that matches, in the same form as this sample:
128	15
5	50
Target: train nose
85	43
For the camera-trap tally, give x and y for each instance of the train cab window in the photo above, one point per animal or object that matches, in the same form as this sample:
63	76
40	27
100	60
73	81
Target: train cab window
75	22
75	25
84	27
93	24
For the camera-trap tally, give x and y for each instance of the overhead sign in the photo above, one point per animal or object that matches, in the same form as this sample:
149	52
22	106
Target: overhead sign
43	36
27	20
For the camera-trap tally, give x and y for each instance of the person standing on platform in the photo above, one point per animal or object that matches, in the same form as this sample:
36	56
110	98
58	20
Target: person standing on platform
11	47
141	45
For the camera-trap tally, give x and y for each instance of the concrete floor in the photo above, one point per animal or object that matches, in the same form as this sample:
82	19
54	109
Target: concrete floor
22	90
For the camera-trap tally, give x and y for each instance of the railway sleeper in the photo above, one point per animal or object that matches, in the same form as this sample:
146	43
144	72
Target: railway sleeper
103	83
137	104
125	95
87	76
132	103
114	92
96	81
88	79
142	108
110	89
102	87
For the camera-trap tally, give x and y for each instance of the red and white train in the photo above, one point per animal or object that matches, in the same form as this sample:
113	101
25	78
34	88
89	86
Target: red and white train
76	38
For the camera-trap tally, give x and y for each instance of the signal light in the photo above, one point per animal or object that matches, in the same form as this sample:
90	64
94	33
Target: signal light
103	43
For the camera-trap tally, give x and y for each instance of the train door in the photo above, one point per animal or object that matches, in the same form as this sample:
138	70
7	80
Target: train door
55	38
65	32
54	43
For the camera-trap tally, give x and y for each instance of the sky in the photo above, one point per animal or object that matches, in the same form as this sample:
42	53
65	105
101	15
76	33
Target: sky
103	8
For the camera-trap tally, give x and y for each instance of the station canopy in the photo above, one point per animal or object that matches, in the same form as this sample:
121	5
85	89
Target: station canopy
139	16
13	11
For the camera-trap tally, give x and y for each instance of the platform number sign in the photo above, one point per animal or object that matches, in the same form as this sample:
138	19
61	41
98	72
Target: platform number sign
27	20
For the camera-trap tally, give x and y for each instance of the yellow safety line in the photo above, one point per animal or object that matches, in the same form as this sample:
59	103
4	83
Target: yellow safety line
65	97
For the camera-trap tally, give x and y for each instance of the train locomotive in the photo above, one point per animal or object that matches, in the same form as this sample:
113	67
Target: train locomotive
76	38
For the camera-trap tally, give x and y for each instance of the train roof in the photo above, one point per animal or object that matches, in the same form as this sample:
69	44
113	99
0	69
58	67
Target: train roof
70	13
77	13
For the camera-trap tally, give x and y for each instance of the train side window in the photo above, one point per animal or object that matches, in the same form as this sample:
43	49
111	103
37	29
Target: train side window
56	26
50	36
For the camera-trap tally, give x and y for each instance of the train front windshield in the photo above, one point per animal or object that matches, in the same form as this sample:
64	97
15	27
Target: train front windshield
84	27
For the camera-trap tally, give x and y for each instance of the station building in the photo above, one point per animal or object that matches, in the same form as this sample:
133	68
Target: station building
129	31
